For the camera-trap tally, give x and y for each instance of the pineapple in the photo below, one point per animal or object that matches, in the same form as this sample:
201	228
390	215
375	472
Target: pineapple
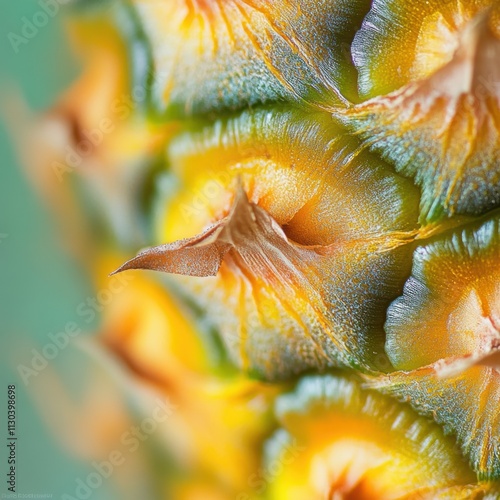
318	185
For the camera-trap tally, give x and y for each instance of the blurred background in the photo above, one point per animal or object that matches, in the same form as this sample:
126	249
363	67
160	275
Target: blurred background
41	284
123	389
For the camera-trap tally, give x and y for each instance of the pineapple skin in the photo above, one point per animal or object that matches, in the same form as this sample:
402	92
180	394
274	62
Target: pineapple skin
358	300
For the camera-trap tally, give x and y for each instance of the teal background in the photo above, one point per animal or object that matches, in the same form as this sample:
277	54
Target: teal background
40	285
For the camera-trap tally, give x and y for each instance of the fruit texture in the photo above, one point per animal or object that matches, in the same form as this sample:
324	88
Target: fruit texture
282	262
318	185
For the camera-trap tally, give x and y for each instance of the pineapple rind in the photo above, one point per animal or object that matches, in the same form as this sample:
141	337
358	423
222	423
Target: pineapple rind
390	451
210	57
306	155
